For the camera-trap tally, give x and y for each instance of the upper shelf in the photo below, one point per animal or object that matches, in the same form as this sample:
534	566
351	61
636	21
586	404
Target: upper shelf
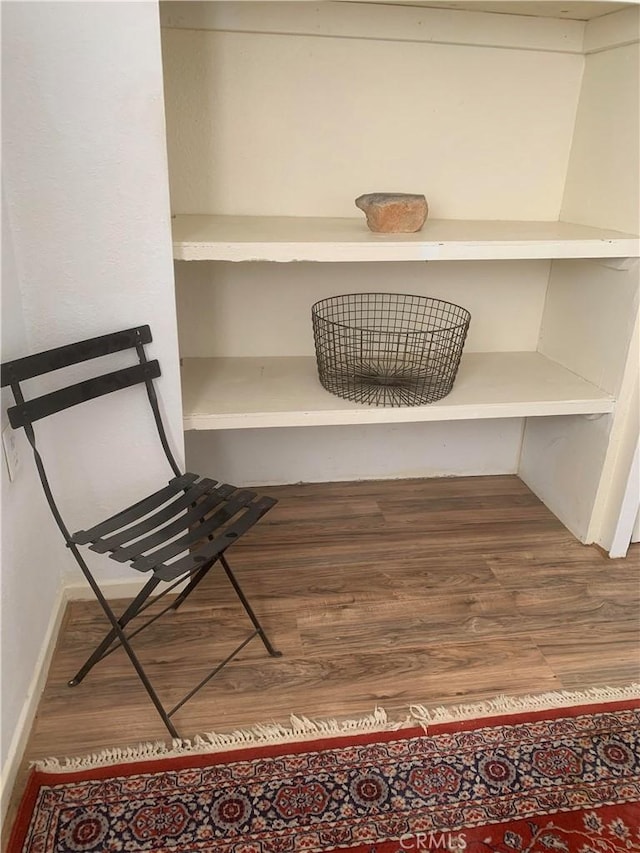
265	238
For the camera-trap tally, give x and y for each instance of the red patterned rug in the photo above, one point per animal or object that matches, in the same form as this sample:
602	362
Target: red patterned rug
555	781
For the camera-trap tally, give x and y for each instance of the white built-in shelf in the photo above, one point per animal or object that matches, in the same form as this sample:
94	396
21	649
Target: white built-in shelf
257	238
244	393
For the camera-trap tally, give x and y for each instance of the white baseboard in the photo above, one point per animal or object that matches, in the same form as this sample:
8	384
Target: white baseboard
77	589
25	720
71	589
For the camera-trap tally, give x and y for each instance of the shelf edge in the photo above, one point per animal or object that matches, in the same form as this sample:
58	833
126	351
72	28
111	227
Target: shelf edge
379	415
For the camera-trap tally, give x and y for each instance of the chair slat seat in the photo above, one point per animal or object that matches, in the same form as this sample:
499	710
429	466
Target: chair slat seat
190	519
135	511
208	527
127	534
210	516
211	550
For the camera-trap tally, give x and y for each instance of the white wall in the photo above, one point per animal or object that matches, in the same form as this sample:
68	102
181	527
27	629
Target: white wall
580	467
85	177
603	178
32	563
264	309
87	210
299	125
371	452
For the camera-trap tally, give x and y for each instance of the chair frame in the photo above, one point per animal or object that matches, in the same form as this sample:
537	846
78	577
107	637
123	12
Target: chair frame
200	561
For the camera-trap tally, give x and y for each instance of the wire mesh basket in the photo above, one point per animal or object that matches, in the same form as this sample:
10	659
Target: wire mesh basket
388	349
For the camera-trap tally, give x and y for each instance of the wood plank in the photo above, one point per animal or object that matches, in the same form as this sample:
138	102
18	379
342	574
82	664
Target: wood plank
613	657
408	624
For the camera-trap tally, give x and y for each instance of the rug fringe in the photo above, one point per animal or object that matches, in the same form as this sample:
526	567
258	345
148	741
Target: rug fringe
302	728
517	704
299	729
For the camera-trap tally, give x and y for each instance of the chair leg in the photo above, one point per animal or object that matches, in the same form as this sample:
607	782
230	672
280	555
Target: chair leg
256	624
125	643
118	624
196	578
129	614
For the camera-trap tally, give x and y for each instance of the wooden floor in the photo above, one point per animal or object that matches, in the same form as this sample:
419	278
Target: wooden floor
378	594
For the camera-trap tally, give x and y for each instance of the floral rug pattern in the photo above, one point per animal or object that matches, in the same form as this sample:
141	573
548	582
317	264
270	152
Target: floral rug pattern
567	781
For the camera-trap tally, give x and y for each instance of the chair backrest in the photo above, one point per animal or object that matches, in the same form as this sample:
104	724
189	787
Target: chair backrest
25	412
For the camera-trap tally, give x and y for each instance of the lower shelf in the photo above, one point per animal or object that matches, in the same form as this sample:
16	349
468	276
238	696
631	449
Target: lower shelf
245	393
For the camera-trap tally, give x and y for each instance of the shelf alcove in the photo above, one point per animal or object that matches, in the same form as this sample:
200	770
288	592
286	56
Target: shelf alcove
279	115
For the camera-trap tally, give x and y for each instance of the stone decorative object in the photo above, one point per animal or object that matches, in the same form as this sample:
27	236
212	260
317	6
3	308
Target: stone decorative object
393	213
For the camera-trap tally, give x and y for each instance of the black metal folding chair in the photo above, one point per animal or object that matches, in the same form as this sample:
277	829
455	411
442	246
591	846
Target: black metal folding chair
177	533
